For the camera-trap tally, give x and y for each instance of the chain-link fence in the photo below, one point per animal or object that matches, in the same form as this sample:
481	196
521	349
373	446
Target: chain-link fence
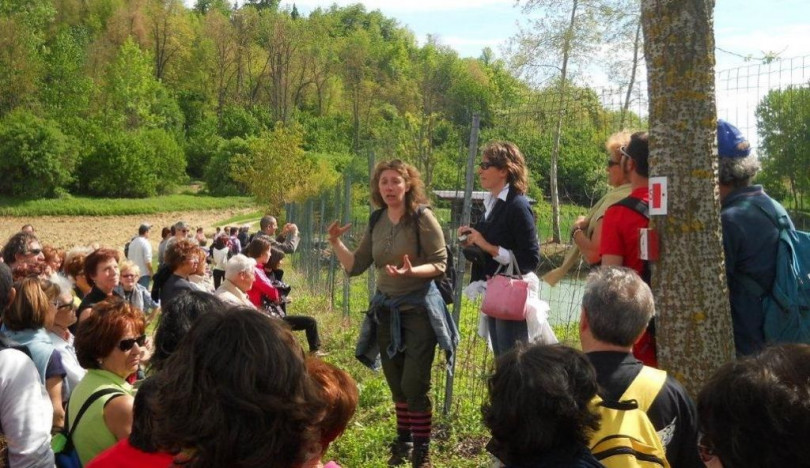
585	119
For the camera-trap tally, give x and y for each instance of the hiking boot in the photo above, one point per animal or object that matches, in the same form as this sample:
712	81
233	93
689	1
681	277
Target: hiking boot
420	458
400	452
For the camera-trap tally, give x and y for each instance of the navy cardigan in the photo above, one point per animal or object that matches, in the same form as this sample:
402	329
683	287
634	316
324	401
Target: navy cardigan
510	225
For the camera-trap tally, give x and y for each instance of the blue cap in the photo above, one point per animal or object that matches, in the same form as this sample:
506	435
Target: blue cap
730	141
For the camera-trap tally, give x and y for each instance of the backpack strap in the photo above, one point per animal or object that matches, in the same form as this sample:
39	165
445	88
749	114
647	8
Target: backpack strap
636	204
92	399
645	387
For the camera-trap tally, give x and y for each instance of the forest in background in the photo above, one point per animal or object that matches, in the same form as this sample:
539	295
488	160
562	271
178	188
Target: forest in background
132	98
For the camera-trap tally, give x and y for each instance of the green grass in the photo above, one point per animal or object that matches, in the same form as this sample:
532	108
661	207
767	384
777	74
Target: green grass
252	217
86	206
459	436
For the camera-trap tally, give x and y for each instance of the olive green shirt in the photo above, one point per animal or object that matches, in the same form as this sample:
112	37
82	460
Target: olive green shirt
389	242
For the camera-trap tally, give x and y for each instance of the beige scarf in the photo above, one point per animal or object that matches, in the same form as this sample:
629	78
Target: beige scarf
596	212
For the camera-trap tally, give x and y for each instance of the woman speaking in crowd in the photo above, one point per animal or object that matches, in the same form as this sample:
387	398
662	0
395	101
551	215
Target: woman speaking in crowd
407	310
109	344
507	229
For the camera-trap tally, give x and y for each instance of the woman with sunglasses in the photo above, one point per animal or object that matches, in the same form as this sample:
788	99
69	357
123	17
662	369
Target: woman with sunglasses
586	233
506	229
59	292
132	291
108	344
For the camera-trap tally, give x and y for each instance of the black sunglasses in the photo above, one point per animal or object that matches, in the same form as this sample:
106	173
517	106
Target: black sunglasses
484	165
126	345
34	252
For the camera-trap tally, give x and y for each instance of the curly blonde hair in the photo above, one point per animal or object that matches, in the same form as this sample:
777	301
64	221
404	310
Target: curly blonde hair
415	194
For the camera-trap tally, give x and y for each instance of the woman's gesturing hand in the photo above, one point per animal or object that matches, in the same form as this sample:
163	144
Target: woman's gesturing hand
335	230
404	270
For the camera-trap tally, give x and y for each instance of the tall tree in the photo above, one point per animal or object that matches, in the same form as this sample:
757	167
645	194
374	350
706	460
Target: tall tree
567	33
694	318
783	120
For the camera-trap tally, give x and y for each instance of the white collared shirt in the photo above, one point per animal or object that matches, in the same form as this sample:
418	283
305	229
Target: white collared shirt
489	203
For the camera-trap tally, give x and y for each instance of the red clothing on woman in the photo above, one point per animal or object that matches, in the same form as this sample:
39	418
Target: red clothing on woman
262	287
124	455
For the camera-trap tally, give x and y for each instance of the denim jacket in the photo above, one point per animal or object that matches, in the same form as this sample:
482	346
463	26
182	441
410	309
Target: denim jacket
367	350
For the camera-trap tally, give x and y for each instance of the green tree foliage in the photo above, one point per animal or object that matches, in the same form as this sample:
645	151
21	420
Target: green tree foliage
36	158
783	120
218	175
136	164
276	170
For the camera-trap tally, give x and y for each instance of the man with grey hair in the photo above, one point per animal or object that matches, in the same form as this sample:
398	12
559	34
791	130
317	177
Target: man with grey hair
286	241
616	307
750	236
240	273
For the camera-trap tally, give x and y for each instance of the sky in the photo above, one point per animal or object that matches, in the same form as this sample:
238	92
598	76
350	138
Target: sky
743	28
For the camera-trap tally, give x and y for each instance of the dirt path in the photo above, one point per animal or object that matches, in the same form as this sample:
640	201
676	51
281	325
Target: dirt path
110	231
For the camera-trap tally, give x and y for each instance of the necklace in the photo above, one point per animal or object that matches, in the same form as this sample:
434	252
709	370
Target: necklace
389	242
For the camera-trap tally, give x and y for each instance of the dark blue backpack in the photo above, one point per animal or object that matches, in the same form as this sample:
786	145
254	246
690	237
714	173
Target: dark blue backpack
786	304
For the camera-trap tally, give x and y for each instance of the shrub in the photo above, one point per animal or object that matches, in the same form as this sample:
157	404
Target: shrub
36	158
218	179
133	165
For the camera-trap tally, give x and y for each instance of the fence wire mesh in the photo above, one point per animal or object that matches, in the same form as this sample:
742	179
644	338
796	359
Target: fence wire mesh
588	117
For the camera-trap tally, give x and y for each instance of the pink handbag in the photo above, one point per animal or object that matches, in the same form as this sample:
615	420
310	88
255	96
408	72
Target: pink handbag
507	293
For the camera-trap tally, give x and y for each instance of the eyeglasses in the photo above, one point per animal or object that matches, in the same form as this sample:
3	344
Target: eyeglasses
129	275
129	343
484	165
623	150
65	306
611	163
34	252
184	230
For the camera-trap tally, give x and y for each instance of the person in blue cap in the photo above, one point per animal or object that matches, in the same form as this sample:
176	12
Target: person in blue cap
750	237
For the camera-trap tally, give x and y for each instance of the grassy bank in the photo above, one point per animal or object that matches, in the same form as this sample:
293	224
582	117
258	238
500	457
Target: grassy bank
86	206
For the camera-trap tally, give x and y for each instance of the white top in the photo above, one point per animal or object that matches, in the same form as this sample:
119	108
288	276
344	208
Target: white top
489	203
140	253
220	258
231	294
70	362
26	413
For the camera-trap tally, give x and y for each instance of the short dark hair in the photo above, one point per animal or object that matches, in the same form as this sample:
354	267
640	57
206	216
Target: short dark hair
142	417
276	256
257	247
179	252
245	373
618	305
539	399
176	318
165	232
753	411
6	284
265	221
96	258
17	244
100	332
639	151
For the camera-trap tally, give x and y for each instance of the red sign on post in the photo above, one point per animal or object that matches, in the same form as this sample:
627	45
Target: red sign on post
658	195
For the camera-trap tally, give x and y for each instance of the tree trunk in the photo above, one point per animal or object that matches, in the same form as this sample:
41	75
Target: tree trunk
632	83
689	281
555	151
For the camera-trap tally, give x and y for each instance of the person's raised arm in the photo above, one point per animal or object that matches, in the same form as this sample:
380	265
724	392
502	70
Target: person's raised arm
344	255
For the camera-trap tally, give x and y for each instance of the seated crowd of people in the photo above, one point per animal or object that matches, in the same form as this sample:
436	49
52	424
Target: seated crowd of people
75	357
